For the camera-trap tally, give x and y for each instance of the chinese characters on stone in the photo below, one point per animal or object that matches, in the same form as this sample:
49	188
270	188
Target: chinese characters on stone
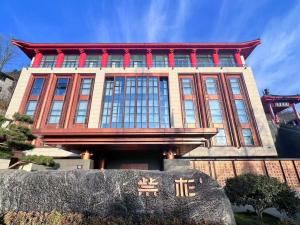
184	187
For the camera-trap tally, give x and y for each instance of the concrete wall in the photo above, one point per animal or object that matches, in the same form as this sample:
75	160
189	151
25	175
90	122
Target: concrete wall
4	163
71	164
268	148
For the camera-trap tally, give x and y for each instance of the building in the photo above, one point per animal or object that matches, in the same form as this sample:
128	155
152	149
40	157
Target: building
6	90
140	105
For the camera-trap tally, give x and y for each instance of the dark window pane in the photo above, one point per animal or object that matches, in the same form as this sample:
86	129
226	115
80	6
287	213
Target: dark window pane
61	86
227	60
37	86
205	60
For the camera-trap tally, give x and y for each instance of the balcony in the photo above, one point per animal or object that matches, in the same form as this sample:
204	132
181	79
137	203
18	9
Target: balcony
157	63
115	64
181	63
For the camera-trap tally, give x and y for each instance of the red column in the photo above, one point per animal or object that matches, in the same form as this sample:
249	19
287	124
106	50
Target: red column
104	58
215	56
237	56
171	58
296	112
60	58
82	58
126	58
37	59
149	58
193	58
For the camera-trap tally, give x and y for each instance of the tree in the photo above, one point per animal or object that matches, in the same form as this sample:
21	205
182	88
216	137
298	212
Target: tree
7	52
15	134
261	192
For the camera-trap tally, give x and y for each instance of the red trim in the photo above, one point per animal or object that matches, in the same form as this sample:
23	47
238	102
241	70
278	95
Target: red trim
171	58
82	59
215	56
149	58
37	60
60	59
238	60
193	58
29	48
104	59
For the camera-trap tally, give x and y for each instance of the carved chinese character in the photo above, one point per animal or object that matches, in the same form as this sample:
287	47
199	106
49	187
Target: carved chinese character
147	186
183	187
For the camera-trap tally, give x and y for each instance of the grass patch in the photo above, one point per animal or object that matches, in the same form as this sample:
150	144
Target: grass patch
252	219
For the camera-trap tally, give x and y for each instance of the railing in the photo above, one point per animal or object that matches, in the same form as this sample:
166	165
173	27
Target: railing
115	64
160	63
182	63
138	64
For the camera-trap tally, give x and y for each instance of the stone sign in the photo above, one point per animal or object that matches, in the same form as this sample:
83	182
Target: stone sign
186	194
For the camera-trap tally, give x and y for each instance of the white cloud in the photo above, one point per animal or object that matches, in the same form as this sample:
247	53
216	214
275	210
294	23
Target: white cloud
276	62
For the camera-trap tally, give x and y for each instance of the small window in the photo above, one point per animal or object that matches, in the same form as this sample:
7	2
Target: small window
93	61
190	116
61	86
137	61
226	60
211	86
248	138
160	61
86	86
241	111
215	111
235	86
31	107
71	61
37	86
182	60
220	138
81	112
48	61
115	61
205	60
55	113
187	86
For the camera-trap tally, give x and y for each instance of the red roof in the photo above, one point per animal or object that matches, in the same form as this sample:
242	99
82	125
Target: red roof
30	48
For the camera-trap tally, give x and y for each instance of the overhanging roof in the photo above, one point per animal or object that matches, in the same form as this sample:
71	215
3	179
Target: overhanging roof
30	48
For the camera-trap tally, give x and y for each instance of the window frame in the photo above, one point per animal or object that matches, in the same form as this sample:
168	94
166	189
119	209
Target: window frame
45	60
74	63
182	63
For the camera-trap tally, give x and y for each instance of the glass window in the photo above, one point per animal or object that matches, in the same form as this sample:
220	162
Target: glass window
160	61
187	86
241	111
61	86
247	134
48	61
220	138
211	86
81	111
137	61
71	61
55	113
93	61
37	86
86	86
182	60
115	61
205	60
235	86
190	117
215	111
227	60
31	107
136	102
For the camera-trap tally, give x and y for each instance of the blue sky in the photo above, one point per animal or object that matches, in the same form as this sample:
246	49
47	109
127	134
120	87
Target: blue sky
276	63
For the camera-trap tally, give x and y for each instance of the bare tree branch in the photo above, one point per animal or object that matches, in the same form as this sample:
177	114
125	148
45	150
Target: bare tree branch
7	52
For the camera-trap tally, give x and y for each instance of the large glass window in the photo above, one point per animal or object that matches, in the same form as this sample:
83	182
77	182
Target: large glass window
187	86
71	61
205	60
37	86
226	60
235	86
211	86
220	138
93	61
160	61
48	61
241	111
61	86
86	86
215	111
31	107
137	60
115	60
248	138
136	102
81	111
182	60
190	116
55	112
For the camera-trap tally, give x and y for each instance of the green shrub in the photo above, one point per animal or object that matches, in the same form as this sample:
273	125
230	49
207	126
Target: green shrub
5	154
57	218
39	159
